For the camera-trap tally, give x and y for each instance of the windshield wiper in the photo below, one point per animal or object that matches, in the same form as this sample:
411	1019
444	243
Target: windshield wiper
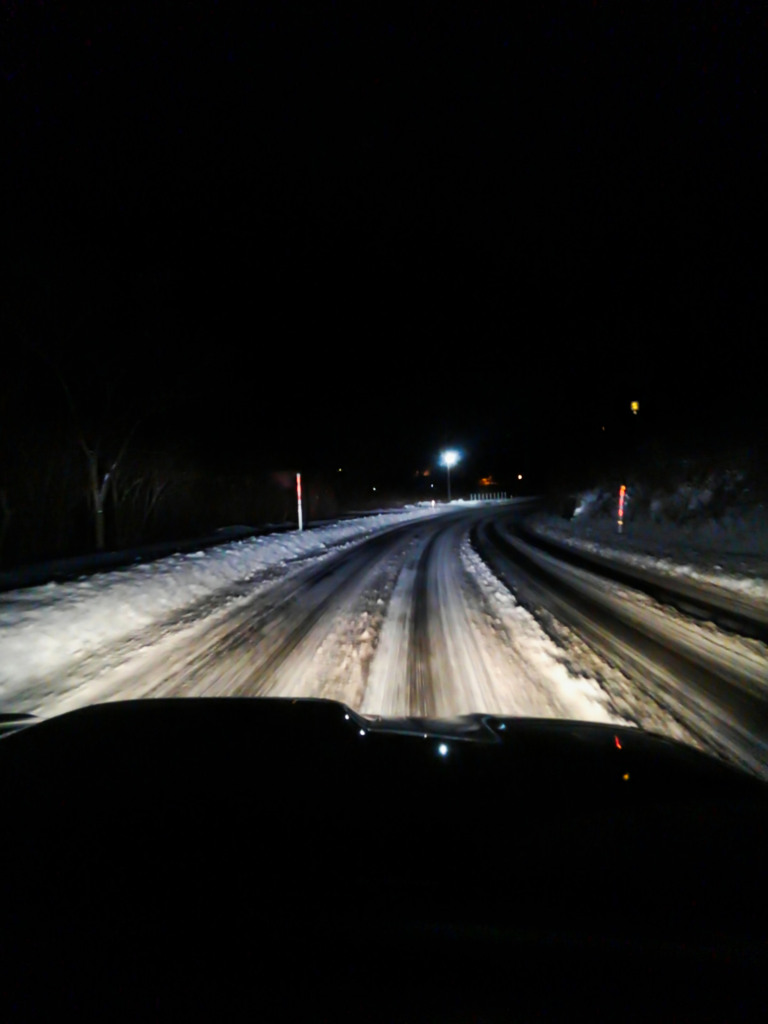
12	722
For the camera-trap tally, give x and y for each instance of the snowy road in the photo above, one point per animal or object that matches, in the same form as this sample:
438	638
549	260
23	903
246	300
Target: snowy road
400	617
713	681
405	620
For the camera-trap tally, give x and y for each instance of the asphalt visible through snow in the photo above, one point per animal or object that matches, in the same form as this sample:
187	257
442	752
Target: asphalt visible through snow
714	681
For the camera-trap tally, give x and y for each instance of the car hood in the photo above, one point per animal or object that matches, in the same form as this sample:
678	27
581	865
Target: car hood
151	826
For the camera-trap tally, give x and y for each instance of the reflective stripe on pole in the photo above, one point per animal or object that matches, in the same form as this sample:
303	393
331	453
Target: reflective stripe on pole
622	493
298	500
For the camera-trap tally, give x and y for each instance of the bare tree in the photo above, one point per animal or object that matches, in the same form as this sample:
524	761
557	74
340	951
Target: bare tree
102	462
137	490
101	473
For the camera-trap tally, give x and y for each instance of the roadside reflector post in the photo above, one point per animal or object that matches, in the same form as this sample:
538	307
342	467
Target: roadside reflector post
298	500
622	492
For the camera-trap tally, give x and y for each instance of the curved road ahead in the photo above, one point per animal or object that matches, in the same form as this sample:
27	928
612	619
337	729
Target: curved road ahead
447	615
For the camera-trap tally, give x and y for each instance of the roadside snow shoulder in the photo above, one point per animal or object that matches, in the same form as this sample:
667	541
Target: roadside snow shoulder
750	587
42	629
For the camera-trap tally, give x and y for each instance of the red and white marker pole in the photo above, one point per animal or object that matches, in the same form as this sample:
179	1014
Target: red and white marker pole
622	492
298	500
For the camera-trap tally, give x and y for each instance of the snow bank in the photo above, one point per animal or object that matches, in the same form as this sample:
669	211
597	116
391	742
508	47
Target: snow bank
714	529
43	629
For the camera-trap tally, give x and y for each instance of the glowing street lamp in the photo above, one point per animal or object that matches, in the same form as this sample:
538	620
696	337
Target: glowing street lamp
449	458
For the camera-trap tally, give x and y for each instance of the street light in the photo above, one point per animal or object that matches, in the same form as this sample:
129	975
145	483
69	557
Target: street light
449	458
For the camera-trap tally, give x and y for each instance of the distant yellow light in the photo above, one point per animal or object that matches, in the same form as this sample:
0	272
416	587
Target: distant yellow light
626	777
634	406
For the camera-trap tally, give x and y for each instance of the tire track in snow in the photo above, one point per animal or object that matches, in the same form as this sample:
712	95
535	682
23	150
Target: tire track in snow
393	626
334	659
459	661
421	682
442	651
654	668
247	646
427	661
388	692
265	651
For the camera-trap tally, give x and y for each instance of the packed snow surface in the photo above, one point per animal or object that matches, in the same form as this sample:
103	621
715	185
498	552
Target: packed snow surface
414	623
394	614
44	629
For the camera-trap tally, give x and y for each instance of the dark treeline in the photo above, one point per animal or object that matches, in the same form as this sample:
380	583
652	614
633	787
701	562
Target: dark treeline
49	508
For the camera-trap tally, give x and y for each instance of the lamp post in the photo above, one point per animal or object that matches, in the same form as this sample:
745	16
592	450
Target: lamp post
449	458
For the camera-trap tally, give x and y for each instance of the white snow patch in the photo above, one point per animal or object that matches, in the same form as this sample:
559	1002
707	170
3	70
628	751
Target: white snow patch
530	676
604	540
44	629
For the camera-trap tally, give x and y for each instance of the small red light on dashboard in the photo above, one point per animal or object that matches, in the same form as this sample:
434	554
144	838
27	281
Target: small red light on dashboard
618	742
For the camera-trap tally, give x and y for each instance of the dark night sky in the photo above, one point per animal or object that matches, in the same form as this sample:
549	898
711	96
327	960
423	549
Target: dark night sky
337	233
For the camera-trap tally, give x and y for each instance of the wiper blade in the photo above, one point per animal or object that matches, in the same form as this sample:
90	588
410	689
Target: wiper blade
12	722
475	728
